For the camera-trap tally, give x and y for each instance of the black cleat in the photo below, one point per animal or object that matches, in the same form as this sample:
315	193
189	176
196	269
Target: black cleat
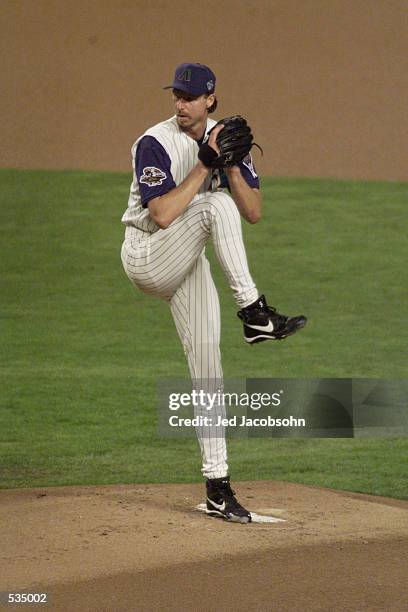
262	322
221	501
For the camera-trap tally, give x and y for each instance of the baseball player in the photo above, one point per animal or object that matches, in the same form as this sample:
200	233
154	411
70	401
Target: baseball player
177	203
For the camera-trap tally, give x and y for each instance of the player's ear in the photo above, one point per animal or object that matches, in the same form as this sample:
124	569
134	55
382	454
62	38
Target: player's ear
210	100
211	103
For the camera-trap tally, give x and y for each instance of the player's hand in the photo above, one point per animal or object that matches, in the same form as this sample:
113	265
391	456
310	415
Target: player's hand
209	147
212	141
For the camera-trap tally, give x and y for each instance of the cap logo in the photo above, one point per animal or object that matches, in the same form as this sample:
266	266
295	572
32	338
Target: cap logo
185	75
210	85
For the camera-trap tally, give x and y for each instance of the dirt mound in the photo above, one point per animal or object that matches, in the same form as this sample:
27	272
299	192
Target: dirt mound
146	547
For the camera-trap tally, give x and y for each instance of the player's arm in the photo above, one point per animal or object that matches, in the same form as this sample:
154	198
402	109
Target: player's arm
165	208
247	198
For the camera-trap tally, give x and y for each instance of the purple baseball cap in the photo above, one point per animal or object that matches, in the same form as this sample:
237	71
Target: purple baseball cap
194	79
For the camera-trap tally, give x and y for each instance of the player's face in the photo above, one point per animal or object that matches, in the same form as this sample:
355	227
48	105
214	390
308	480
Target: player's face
190	111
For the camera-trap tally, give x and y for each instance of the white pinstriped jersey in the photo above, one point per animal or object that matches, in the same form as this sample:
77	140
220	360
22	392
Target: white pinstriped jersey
183	153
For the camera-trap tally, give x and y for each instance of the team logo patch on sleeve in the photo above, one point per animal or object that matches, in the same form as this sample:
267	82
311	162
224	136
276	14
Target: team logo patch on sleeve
247	161
152	176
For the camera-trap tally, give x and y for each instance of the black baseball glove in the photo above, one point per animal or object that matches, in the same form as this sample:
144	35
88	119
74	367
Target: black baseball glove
234	141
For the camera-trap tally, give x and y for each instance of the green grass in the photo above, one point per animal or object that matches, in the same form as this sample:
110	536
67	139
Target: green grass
81	349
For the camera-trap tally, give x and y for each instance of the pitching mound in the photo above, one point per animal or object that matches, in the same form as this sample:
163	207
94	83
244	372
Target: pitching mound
147	547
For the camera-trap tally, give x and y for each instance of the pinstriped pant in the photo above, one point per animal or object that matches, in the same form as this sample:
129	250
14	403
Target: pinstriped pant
171	264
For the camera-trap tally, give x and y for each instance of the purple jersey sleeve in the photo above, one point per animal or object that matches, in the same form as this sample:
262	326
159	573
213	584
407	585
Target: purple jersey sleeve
153	172
248	172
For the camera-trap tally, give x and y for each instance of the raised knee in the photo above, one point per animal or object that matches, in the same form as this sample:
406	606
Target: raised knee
223	203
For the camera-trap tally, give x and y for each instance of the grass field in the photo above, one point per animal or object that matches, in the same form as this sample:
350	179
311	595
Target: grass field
81	349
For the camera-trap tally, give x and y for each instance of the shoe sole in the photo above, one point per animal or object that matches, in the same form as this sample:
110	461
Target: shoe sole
262	337
232	519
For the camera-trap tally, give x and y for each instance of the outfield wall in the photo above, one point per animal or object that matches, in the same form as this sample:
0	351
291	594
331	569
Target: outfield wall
324	83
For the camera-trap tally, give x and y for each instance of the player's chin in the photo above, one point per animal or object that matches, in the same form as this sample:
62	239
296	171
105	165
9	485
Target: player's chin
183	119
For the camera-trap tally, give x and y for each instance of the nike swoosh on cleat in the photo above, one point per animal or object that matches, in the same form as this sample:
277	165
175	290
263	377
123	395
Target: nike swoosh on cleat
220	507
264	328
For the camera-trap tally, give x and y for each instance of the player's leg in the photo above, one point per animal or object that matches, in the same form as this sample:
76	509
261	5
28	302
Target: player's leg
261	322
196	313
227	238
160	264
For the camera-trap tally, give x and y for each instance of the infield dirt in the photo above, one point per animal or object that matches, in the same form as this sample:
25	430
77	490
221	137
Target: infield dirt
145	547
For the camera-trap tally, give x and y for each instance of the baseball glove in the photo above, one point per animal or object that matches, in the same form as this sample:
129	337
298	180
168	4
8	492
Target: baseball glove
234	141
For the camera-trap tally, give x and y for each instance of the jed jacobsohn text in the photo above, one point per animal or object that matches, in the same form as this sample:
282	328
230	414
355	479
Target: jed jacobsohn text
235	421
255	401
